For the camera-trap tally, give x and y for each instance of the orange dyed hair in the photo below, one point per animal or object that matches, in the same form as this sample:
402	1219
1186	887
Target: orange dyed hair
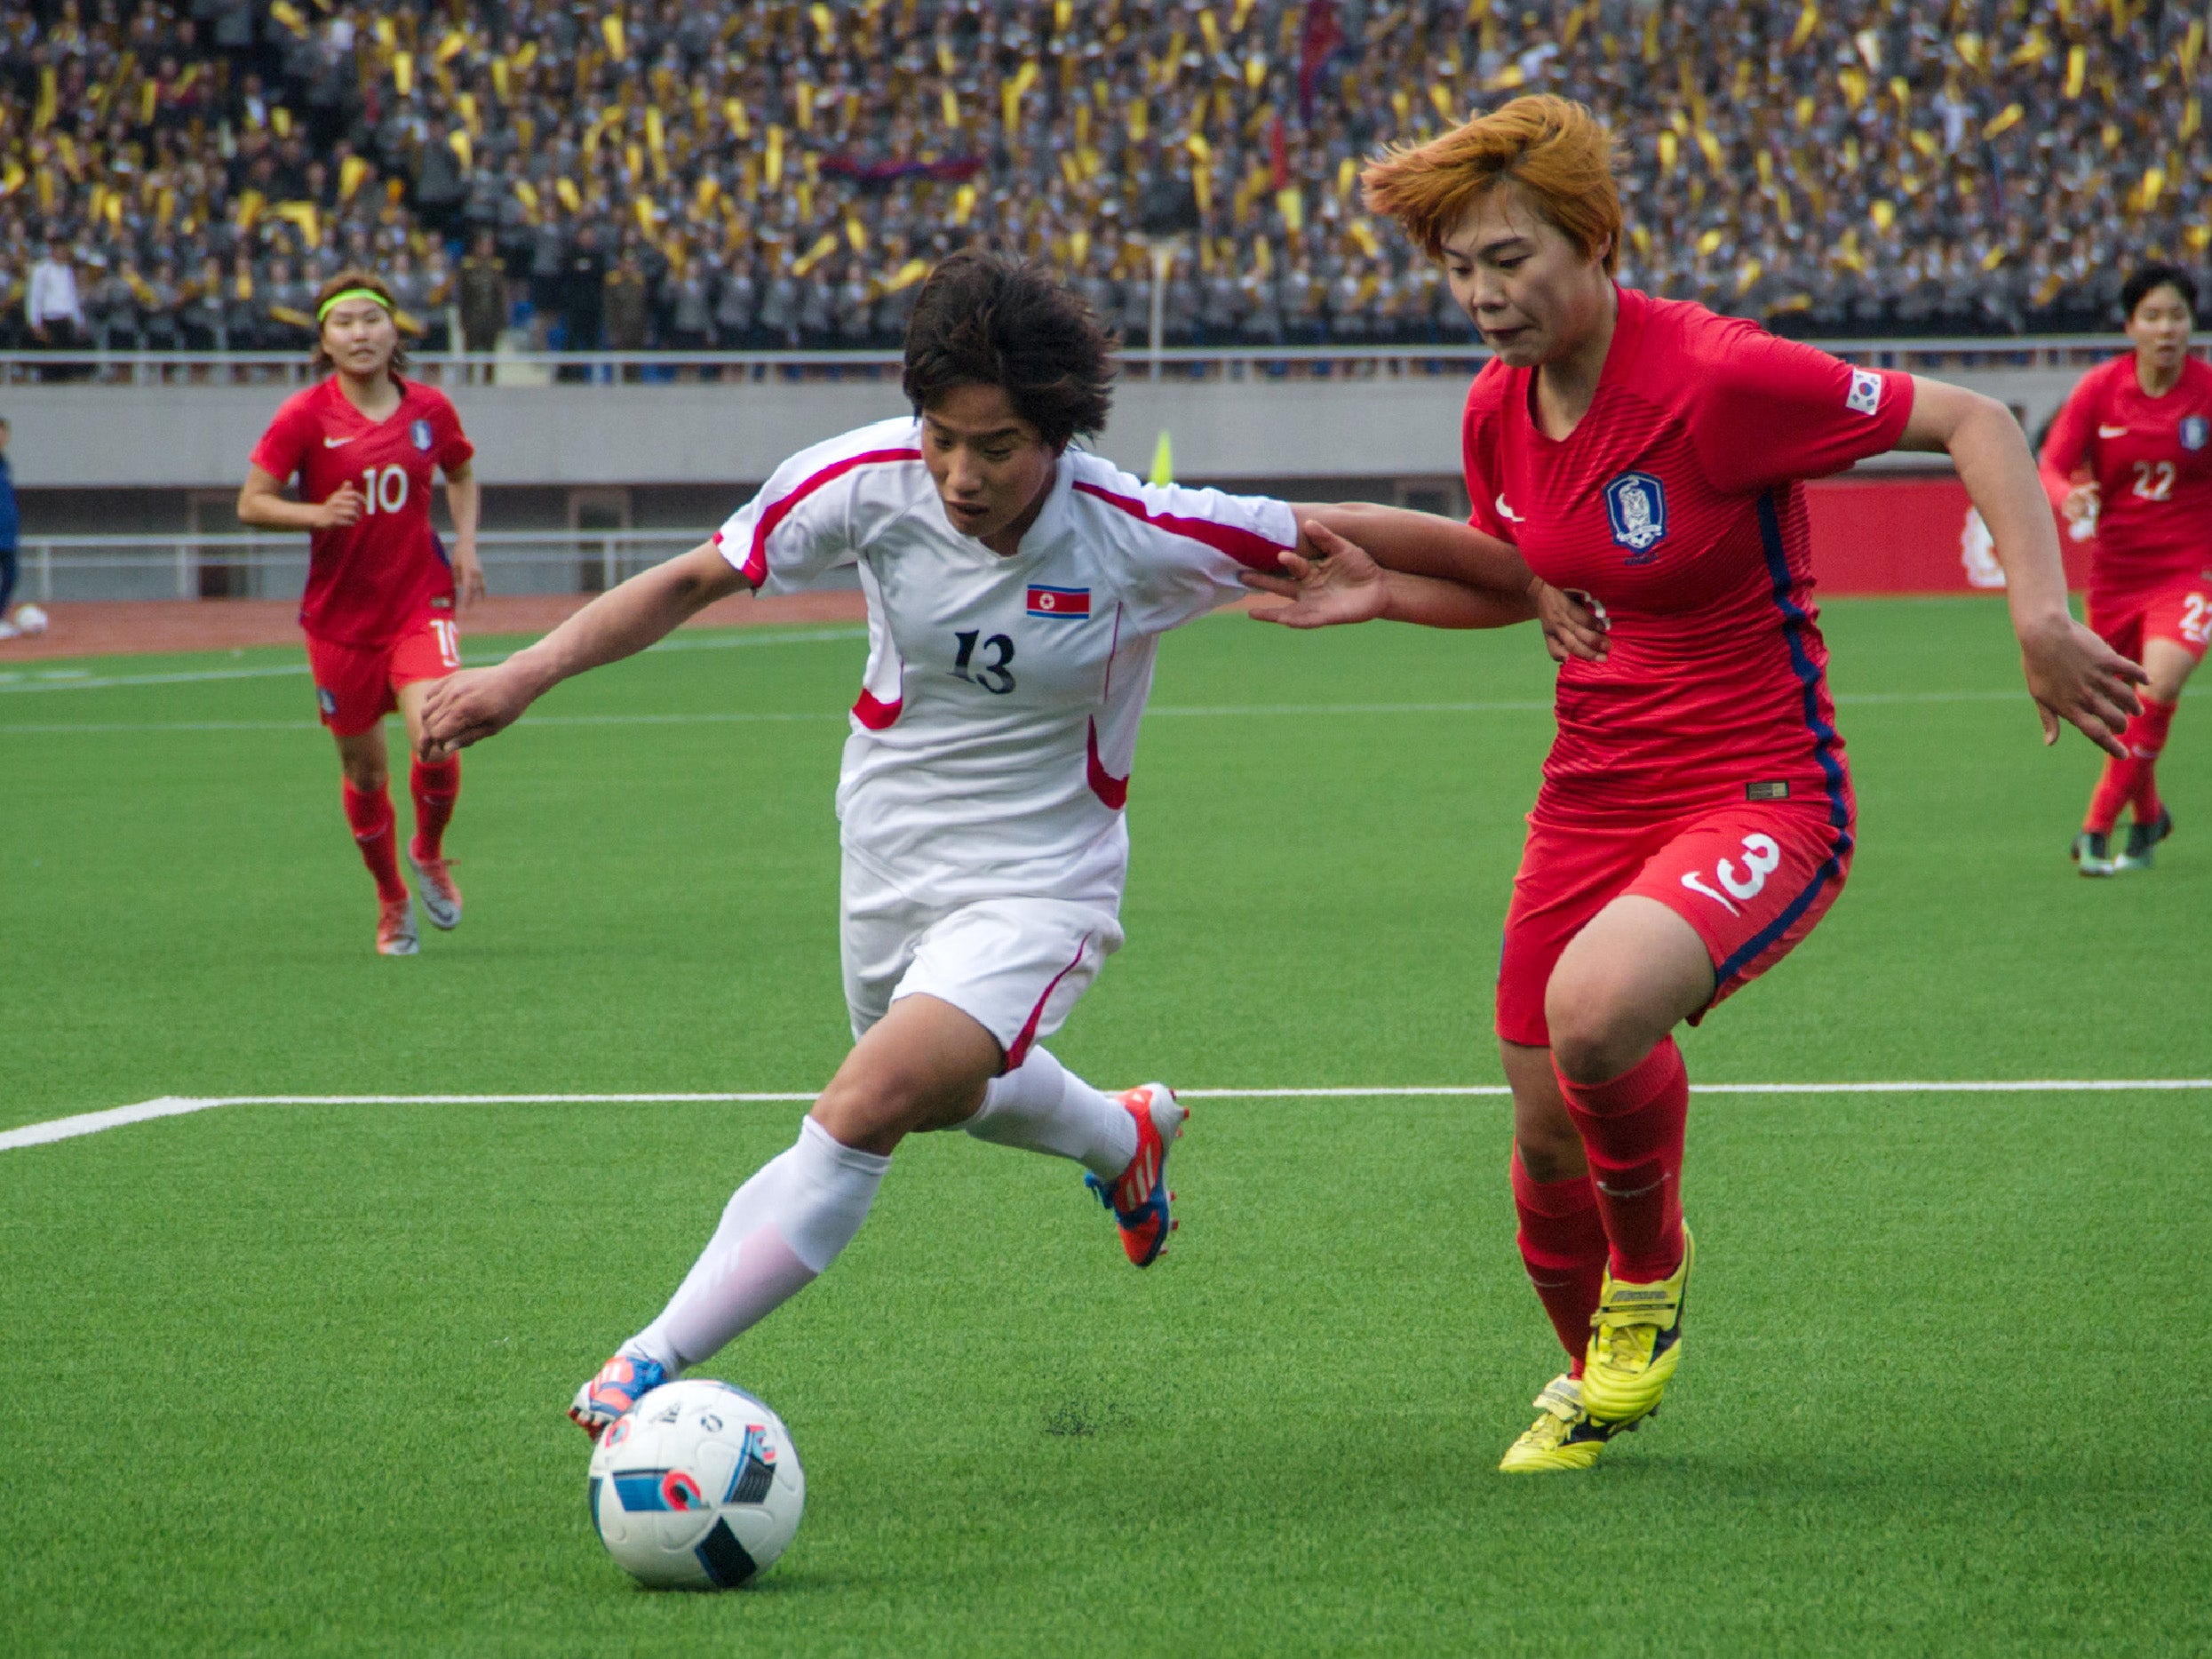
1559	153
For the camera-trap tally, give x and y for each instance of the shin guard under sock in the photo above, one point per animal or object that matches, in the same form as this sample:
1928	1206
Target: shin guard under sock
2146	738
1563	1246
370	813
1043	1108
2115	785
778	1233
1632	1131
435	786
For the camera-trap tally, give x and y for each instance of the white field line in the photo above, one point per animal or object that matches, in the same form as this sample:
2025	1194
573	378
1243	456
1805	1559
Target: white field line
1238	711
84	679
177	1105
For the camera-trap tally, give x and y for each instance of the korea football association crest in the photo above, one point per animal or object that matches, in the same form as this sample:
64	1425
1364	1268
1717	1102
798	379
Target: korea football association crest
420	432
2195	430
1637	504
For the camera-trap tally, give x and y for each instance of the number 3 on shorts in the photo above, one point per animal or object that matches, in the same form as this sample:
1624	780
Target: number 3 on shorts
448	637
1762	859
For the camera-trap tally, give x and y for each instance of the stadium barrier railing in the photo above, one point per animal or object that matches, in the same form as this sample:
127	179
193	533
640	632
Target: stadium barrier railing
247	565
1200	363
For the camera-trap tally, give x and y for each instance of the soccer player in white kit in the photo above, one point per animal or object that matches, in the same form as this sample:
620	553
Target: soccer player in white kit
1017	588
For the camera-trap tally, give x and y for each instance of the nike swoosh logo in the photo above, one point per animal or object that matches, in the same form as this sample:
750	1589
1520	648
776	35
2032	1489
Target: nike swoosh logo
2111	432
336	443
1506	512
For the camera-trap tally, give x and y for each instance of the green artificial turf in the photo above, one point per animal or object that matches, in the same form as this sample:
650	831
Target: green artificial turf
289	1378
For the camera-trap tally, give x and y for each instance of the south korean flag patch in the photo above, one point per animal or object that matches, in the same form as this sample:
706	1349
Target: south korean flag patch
1636	505
1865	394
419	432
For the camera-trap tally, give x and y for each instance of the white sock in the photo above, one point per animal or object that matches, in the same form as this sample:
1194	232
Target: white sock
778	1233
1044	1107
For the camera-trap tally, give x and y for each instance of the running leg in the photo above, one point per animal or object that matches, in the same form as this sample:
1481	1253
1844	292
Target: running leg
923	1066
369	810
1043	1108
1619	989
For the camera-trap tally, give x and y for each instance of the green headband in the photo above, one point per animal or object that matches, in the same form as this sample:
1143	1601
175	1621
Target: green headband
344	294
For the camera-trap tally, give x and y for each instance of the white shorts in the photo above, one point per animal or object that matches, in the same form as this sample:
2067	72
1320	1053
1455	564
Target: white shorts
1015	965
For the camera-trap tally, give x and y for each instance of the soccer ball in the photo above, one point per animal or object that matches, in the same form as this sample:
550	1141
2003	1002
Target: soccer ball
30	619
697	1486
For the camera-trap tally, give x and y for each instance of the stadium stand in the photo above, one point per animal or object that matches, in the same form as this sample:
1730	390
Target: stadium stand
634	174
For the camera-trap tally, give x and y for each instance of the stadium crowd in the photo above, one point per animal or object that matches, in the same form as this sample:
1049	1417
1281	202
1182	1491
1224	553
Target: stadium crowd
629	173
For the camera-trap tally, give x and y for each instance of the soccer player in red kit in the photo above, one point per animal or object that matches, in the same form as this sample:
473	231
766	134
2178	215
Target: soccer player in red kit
382	594
2133	445
1696	819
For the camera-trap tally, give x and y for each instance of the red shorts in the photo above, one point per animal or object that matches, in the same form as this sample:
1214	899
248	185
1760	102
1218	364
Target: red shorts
1753	877
355	686
2181	612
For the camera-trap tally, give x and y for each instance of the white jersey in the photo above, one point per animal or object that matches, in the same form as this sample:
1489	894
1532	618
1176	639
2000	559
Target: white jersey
996	724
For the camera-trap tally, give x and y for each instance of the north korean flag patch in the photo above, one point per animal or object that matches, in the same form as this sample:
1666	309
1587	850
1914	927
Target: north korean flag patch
1070	602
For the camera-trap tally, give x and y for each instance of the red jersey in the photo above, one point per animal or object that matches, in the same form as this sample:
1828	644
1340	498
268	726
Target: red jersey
370	581
2151	457
1676	504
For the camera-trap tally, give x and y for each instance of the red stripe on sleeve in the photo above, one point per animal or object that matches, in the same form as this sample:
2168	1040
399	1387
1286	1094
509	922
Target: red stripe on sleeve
755	569
1249	549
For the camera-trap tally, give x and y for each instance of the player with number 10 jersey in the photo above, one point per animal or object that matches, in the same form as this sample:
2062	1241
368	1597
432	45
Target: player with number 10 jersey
365	445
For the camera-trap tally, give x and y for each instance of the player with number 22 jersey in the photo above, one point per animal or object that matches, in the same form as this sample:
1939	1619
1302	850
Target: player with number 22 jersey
2134	443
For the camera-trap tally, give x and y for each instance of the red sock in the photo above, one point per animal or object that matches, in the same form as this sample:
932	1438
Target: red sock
1563	1246
371	814
2146	738
1632	1129
436	786
2113	788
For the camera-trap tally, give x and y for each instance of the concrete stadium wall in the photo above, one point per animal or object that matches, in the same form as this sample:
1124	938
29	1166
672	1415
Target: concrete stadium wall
90	438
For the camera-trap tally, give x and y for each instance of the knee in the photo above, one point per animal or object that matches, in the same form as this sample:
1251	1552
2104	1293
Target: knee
367	776
874	1108
858	1115
1596	1033
1549	1153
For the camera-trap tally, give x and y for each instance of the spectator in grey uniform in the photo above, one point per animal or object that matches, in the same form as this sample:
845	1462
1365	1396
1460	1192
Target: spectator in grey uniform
736	307
484	295
160	327
1219	306
817	301
201	315
852	318
779	308
687	298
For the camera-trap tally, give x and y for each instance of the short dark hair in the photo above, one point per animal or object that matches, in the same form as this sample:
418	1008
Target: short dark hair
988	319
2148	279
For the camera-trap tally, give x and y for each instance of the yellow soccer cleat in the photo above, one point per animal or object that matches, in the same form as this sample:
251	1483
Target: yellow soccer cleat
1635	1343
1561	1436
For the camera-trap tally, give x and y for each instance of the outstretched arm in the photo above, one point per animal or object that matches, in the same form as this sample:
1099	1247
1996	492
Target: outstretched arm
465	707
1425	543
2072	674
1369	563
